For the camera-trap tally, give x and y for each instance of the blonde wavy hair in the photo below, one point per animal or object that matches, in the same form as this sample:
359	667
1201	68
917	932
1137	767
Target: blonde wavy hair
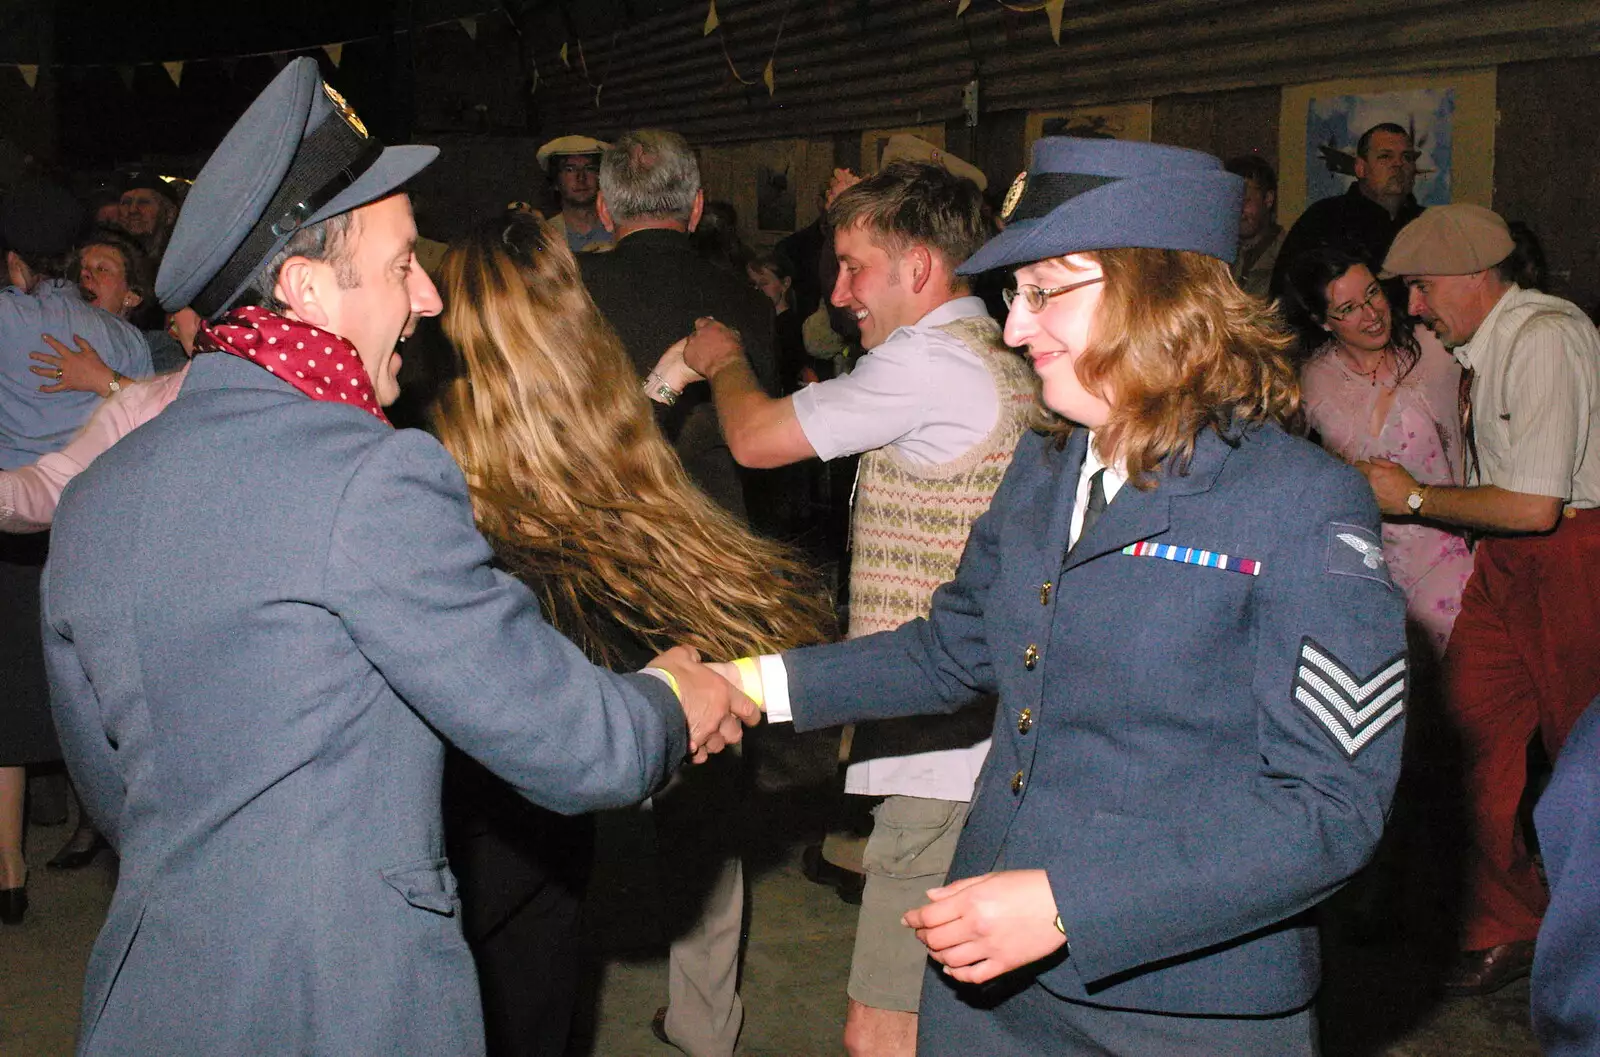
572	481
1177	348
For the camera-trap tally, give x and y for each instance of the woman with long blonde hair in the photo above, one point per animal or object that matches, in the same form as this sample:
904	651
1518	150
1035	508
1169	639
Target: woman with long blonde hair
580	496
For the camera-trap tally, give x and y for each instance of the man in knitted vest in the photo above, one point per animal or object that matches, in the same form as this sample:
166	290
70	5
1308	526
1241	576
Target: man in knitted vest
935	411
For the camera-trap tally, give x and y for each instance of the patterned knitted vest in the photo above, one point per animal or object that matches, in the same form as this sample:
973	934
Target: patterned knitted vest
911	520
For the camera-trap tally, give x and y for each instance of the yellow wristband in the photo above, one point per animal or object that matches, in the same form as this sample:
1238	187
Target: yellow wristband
668	678
750	680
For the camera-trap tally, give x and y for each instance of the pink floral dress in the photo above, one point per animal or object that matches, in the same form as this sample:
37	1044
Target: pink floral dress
1419	428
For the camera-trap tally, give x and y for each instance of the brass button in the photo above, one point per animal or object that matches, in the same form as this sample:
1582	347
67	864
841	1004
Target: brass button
1016	784
1025	721
1030	656
1044	593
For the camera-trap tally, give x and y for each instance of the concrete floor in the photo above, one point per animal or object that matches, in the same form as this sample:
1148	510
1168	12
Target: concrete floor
1376	1002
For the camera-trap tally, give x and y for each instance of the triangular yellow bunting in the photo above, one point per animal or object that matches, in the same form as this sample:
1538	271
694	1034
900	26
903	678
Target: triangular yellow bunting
30	73
712	21
564	61
335	53
768	79
961	8
1053	9
471	26
126	73
174	71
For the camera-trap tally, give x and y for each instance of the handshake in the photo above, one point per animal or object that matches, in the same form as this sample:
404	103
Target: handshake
713	699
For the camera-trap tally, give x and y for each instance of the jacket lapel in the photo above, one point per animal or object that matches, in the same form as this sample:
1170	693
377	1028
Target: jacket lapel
1137	514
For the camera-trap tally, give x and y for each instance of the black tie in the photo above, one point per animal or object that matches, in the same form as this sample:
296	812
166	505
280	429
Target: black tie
1096	504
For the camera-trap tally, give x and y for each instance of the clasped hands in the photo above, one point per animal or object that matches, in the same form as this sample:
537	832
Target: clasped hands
701	355
715	710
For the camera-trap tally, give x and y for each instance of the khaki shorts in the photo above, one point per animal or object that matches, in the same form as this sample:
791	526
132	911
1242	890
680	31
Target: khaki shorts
909	852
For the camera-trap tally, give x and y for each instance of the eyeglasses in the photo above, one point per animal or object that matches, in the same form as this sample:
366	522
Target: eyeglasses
1344	312
1036	298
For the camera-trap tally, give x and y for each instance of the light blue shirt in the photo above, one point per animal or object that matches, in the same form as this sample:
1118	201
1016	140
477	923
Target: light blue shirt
921	391
34	423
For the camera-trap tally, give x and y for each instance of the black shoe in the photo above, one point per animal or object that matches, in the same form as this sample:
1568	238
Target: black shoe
847	883
13	905
658	1026
79	851
1487	971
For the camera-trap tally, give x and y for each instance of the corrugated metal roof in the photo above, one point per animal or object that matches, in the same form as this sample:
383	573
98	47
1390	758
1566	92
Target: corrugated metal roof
852	64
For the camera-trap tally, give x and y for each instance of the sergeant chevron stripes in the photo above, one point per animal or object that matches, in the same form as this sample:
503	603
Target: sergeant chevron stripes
1353	713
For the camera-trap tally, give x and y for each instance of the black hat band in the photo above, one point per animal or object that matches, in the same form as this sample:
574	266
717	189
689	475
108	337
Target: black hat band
1044	191
329	160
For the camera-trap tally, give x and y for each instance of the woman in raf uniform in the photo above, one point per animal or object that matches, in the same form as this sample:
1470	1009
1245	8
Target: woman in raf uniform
1197	648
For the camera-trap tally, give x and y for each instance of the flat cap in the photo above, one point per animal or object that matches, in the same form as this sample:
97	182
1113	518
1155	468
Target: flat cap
569	145
1104	194
40	218
1456	239
903	146
298	156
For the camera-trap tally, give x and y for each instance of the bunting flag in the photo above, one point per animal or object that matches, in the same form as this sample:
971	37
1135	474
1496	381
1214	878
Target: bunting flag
712	21
30	73
768	79
564	61
335	53
470	24
126	73
1053	9
174	71
961	8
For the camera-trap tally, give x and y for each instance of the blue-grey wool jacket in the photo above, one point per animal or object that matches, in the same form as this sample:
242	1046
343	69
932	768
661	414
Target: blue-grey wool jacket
263	616
1195	754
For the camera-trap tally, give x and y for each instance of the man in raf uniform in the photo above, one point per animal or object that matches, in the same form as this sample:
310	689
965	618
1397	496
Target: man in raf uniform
253	685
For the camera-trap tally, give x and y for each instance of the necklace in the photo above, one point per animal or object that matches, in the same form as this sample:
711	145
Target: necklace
1372	375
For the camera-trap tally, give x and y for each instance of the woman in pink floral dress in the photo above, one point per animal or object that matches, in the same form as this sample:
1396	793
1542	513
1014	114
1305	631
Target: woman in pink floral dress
1376	389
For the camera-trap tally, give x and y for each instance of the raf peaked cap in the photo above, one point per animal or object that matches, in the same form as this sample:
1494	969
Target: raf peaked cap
1102	194
298	156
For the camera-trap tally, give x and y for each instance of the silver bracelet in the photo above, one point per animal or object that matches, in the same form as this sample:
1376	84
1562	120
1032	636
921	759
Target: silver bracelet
657	389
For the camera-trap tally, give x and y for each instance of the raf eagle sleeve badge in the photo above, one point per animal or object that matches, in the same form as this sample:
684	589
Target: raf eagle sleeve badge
1352	708
1355	551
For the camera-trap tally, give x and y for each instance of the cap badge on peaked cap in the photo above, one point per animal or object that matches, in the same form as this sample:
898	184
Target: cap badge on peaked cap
1014	195
346	111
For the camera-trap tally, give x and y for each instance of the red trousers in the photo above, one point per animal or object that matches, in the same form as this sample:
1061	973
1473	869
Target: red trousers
1524	658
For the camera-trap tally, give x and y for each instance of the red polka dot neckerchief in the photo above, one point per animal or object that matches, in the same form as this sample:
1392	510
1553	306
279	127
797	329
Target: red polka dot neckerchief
319	363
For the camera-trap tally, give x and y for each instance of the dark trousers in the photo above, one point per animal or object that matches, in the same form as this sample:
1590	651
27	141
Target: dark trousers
523	872
1524	658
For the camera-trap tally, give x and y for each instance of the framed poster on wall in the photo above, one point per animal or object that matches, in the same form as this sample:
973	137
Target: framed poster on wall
1450	117
1105	121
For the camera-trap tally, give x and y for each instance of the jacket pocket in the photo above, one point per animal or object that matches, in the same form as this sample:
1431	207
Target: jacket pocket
426	884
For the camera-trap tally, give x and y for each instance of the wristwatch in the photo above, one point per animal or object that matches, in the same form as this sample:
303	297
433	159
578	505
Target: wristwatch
116	384
1415	499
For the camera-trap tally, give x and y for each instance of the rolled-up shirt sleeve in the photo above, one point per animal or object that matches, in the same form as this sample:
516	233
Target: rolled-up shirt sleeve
876	404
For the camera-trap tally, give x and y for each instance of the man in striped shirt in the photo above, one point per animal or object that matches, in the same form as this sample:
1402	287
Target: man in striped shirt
1525	653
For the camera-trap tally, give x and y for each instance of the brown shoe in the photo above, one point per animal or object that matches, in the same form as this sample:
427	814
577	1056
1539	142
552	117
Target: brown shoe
1485	972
